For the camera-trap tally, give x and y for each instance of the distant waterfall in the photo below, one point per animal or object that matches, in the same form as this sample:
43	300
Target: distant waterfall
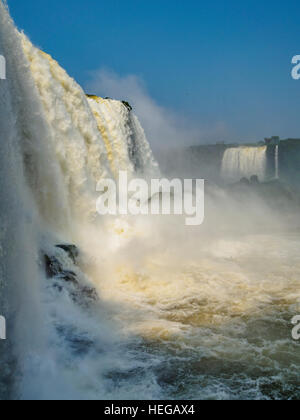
239	162
277	162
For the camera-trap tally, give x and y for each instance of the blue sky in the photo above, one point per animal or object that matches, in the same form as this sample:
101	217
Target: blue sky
224	66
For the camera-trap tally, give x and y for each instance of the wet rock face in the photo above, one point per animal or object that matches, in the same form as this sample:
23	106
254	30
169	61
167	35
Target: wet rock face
128	106
71	250
53	267
66	279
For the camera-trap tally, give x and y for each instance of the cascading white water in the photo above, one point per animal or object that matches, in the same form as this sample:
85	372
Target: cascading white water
239	162
277	162
54	152
126	145
20	125
86	148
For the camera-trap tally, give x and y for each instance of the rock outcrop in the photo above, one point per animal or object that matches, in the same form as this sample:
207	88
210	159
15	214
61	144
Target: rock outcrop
62	277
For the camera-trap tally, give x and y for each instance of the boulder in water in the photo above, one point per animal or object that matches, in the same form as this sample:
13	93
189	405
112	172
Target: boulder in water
244	181
52	266
254	180
62	277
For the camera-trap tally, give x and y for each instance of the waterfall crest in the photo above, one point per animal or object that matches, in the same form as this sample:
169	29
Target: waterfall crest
125	141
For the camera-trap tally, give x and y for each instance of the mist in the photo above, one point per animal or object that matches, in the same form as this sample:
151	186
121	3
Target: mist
165	128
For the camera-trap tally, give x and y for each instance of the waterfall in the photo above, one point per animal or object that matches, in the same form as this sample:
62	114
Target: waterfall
20	124
90	138
277	162
57	144
125	141
239	162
